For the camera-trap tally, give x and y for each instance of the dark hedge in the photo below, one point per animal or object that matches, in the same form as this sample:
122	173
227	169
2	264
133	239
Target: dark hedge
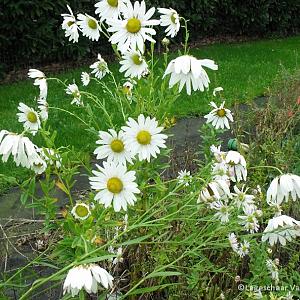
30	31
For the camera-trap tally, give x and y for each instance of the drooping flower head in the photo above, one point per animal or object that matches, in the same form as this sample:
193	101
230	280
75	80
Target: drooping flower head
236	166
40	81
281	229
283	187
85	78
86	277
189	71
20	147
133	30
143	137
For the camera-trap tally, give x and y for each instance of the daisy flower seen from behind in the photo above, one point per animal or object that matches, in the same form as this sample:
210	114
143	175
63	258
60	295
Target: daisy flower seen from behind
187	70
143	137
114	185
169	18
89	26
133	31
29	117
133	64
112	147
219	117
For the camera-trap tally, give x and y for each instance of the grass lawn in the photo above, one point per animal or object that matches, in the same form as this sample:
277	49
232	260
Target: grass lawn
246	70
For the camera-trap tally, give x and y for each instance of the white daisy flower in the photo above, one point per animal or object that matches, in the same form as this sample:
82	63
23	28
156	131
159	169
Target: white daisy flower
283	187
29	117
187	70
109	9
86	277
43	109
20	147
184	177
133	31
50	157
85	78
236	166
113	147
81	211
115	184
281	229
70	26
73	90
133	64
143	137
249	220
219	117
39	80
38	165
233	242
169	18
241	198
223	210
215	190
89	26
244	249
100	68
217	90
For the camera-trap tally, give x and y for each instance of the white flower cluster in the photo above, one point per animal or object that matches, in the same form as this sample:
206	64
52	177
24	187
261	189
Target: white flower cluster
19	146
129	26
141	139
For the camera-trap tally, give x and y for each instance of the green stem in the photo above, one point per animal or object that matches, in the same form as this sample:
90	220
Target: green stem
266	167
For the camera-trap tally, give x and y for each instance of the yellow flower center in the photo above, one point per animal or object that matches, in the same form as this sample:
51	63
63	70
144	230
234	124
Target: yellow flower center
114	185
38	165
31	117
133	25
81	211
70	23
113	3
92	24
144	137
117	146
221	112
174	18
136	59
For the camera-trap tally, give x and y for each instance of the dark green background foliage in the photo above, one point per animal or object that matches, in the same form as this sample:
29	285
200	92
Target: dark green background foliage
30	31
